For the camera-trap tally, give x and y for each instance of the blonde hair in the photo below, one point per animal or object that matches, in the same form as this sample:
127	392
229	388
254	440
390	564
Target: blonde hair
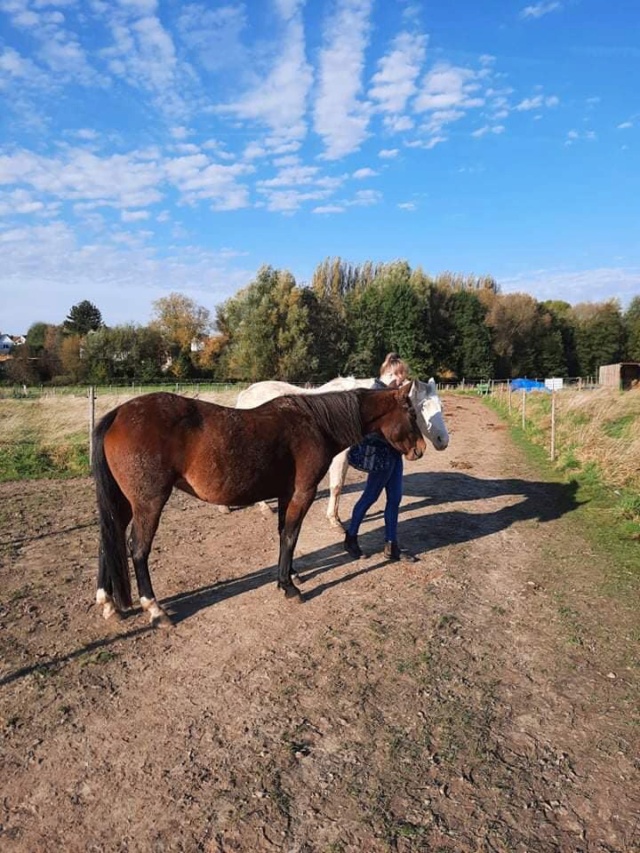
394	364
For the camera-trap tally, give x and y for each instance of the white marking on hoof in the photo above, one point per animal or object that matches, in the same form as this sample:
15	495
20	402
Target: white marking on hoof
266	509
156	613
334	521
106	603
224	510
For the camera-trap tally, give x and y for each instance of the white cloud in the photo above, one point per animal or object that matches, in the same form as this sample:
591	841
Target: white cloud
360	174
126	181
328	208
134	215
366	198
395	81
341	118
51	270
279	100
388	153
197	179
288	201
625	125
574	286
117	180
577	135
447	87
215	35
143	54
482	131
540	9
408	205
537	102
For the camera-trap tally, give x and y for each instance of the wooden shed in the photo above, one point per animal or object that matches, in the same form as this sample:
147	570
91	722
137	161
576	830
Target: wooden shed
623	375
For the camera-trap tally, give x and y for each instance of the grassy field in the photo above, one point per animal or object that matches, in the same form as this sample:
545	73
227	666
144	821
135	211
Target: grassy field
597	444
48	435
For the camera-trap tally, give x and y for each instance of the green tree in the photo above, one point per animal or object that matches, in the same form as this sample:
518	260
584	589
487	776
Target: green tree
35	336
181	320
600	335
470	343
82	318
124	353
632	329
268	328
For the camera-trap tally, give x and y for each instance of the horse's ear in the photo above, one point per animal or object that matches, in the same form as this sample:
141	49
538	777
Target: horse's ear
433	388
405	390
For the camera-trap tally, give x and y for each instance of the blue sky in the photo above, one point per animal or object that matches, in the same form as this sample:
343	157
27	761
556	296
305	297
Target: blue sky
149	146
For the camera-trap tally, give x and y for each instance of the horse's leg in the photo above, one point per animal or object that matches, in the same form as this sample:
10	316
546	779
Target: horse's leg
291	514
337	475
143	529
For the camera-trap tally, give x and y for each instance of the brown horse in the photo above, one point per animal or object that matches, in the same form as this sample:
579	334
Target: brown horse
282	449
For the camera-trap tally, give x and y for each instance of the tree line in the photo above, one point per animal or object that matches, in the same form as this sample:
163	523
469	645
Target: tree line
342	322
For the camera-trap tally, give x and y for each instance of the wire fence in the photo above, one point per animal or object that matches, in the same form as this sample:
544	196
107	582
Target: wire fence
54	435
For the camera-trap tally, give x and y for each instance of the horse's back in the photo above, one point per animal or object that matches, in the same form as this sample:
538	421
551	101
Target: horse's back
262	392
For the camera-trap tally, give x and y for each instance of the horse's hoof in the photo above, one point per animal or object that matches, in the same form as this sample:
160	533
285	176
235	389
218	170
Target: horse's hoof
334	521
292	592
162	620
224	510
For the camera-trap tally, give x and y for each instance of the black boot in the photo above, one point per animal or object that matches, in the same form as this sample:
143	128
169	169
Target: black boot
351	546
392	551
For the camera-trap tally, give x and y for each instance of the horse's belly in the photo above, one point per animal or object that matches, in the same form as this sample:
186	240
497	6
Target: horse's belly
233	488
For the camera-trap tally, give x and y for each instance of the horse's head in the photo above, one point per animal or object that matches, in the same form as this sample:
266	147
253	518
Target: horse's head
424	396
399	423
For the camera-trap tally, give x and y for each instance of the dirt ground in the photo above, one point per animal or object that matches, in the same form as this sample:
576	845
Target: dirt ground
484	698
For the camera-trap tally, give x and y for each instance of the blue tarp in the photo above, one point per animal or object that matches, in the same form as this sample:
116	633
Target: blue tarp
527	385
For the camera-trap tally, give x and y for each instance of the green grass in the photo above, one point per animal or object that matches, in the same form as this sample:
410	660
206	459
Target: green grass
609	518
619	427
29	460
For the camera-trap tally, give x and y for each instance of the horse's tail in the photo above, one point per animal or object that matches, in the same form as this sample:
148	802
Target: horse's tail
113	526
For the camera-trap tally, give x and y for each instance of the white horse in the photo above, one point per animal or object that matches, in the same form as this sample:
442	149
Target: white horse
425	399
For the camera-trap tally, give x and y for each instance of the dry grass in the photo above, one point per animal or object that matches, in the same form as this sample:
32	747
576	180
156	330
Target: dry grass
61	419
599	427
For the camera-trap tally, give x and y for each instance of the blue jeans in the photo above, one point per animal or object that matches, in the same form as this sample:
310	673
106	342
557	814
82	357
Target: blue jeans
390	480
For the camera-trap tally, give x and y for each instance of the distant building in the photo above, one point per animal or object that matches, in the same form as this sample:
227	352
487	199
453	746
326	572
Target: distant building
6	344
623	375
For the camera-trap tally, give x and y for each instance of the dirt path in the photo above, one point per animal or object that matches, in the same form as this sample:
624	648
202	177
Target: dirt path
485	698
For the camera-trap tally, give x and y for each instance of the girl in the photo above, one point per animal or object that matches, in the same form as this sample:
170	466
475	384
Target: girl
393	374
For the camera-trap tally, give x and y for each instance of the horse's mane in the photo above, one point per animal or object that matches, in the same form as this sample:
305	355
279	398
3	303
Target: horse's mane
337	413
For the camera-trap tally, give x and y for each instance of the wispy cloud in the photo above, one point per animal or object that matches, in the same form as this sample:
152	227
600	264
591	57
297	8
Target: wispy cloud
395	81
278	99
483	131
537	102
578	135
143	53
538	10
135	180
341	117
49	268
360	174
214	36
586	285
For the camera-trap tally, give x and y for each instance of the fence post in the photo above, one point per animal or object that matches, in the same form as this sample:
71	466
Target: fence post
92	420
553	425
524	409
509	395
